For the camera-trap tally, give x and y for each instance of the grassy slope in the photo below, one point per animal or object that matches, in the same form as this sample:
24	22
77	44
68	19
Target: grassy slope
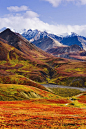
68	72
14	62
18	68
10	92
66	92
57	71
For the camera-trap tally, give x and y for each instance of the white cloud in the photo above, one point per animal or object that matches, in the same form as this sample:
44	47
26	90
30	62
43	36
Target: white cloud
30	14
31	20
83	2
17	9
55	3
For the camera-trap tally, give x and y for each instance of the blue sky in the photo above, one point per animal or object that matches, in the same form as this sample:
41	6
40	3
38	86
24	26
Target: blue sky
54	16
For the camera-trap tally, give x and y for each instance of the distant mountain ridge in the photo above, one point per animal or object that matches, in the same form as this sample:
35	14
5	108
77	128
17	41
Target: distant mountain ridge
71	46
34	35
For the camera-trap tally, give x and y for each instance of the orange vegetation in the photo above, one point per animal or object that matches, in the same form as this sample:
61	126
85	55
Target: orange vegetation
33	114
82	98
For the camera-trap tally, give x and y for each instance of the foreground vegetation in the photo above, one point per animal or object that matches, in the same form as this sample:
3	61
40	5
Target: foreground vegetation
33	114
23	107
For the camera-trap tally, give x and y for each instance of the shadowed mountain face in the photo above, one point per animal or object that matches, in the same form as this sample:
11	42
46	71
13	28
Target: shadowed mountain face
10	37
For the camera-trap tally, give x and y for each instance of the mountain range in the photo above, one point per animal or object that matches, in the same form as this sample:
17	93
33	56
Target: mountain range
34	35
72	46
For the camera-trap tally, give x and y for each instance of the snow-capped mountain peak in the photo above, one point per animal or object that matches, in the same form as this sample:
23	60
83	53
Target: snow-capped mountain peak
73	34
34	34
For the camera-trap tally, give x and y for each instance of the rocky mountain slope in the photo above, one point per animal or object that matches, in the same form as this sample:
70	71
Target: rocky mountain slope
47	43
